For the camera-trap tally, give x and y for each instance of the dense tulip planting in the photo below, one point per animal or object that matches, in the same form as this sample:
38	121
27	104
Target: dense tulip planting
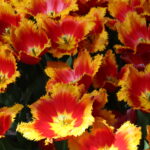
74	74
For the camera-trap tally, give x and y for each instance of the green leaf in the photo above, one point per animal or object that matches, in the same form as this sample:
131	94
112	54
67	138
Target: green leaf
143	119
146	145
69	61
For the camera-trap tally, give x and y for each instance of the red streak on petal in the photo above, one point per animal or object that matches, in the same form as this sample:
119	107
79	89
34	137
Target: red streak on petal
65	102
120	141
44	129
83	68
83	64
72	27
38	6
104	137
101	138
46	110
123	9
86	80
7	66
68	27
64	75
78	113
53	30
31	39
46	6
135	3
28	59
5	122
9	19
56	5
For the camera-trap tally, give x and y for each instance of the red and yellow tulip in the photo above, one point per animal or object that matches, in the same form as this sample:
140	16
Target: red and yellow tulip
29	42
84	69
65	112
135	88
66	34
8	67
102	136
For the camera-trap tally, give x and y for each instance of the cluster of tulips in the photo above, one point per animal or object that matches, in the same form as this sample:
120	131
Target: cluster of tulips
93	59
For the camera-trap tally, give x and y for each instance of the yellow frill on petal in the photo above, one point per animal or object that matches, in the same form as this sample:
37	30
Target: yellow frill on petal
8	67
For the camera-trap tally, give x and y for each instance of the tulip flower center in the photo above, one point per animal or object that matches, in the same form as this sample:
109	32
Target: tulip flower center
146	95
111	79
63	124
141	40
66	42
63	119
51	13
34	51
